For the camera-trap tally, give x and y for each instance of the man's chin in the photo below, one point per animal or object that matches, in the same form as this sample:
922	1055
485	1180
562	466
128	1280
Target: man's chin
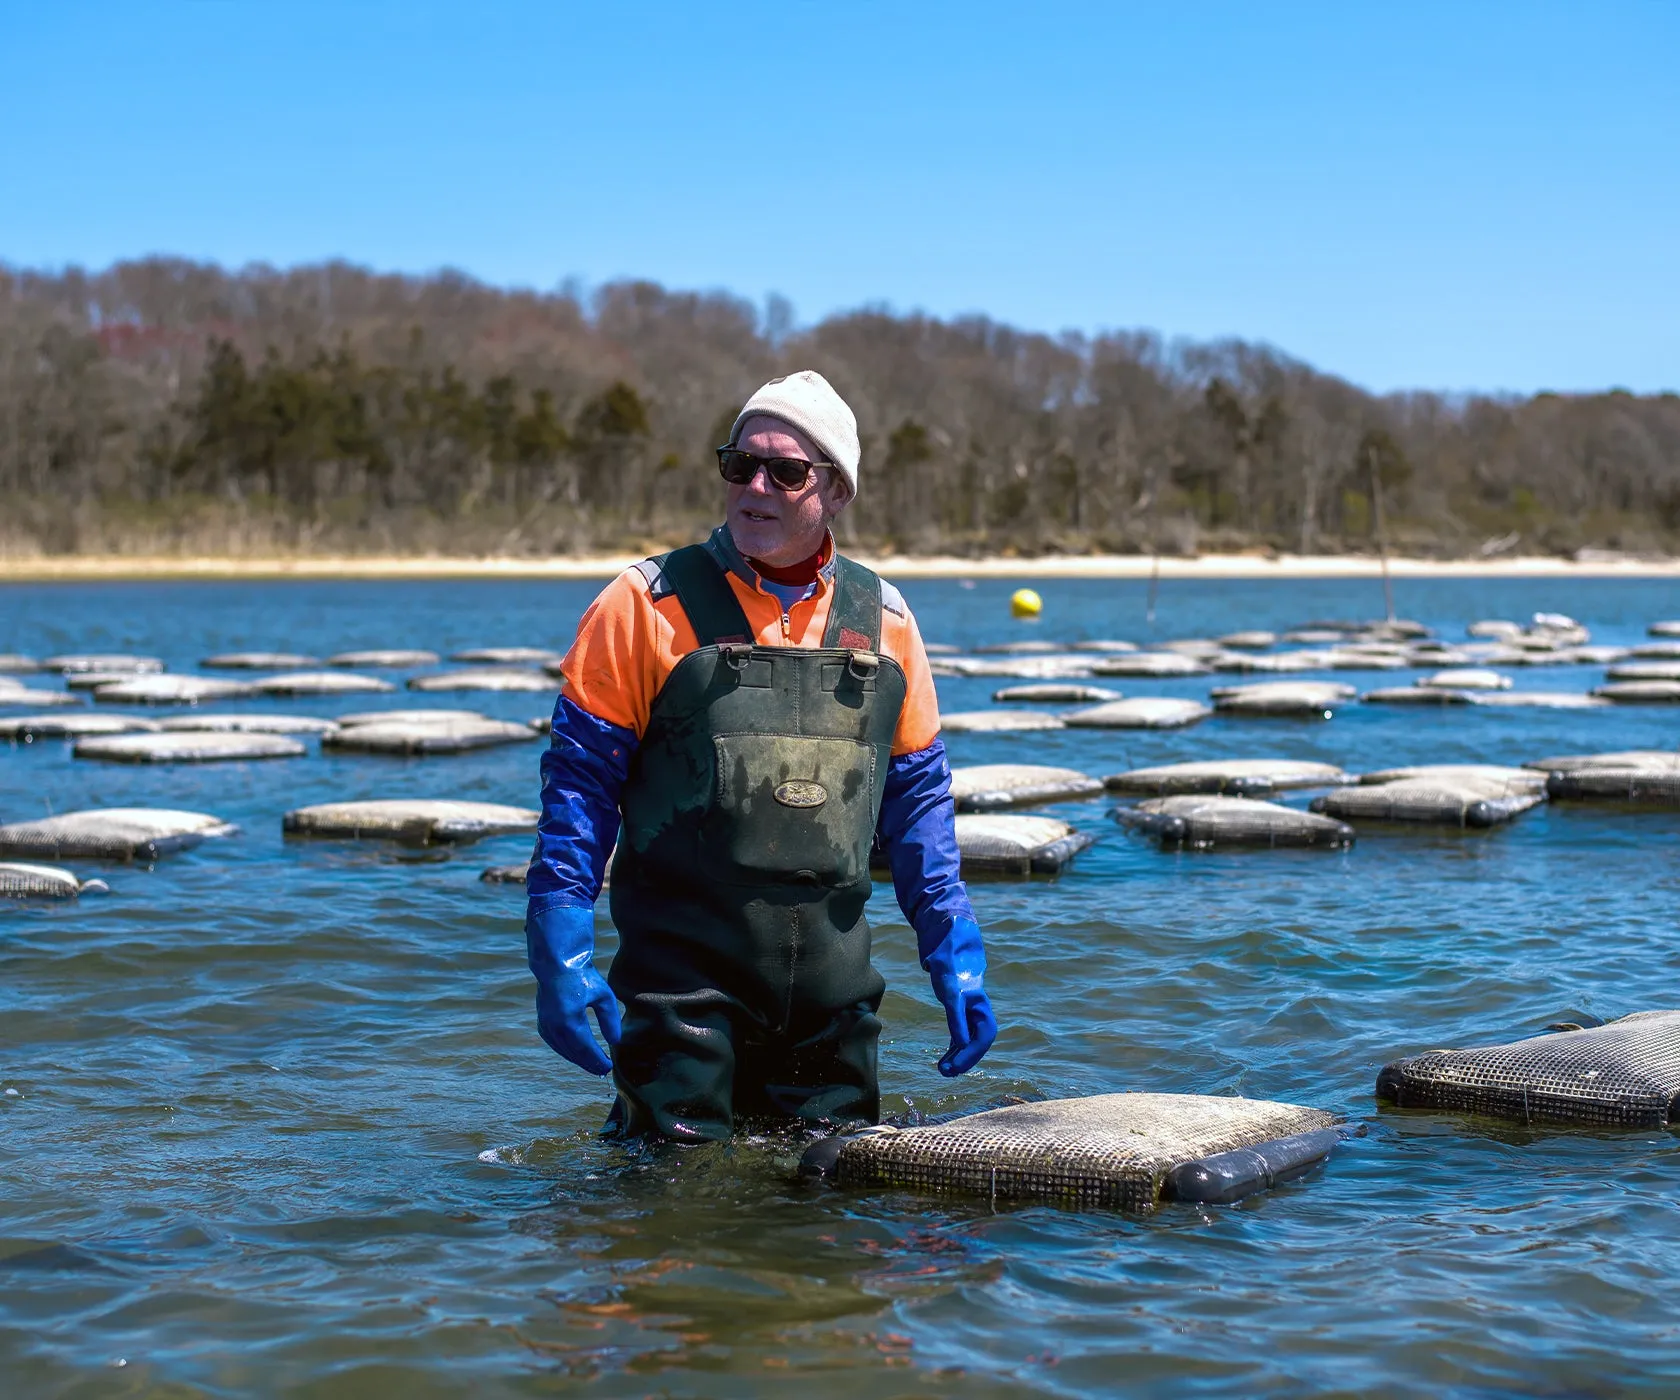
756	537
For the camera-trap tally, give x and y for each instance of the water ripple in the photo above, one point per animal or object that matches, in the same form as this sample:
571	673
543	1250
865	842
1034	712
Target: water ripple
275	1116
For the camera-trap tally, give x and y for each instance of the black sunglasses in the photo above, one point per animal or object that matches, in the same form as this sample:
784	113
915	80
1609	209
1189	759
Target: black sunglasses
740	467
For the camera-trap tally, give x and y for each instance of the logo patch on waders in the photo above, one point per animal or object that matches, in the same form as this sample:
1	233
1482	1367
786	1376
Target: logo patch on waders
801	793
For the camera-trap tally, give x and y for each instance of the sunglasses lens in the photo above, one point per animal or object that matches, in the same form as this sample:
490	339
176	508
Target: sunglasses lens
788	473
737	467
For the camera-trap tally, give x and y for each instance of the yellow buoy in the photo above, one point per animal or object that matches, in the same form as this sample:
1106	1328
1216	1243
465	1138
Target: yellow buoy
1023	602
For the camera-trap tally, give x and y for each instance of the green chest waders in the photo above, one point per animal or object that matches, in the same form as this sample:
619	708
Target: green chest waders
743	870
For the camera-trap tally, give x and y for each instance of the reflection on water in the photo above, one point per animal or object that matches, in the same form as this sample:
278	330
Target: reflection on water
276	1115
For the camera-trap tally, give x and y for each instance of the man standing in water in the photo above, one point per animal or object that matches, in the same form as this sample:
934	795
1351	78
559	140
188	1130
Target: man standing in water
760	710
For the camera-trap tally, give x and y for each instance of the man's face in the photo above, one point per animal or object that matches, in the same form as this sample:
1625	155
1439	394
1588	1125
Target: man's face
774	526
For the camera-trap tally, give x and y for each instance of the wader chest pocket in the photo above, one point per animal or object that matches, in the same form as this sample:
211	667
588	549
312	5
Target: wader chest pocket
791	809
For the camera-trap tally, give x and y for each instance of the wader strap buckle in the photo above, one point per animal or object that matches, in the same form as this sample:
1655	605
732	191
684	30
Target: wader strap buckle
736	654
863	664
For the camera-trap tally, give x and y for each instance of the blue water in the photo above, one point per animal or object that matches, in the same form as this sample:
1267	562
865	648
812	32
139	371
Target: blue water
276	1118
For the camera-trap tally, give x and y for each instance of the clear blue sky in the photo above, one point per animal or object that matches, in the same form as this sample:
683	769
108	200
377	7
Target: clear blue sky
1465	195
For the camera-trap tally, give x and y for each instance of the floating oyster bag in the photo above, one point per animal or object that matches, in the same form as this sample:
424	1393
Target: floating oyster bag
418	820
1287	698
1205	822
1239	777
1442	800
1140	712
187	746
503	678
1624	1074
110	833
985	787
1051	693
1652	784
1007	843
996	721
18	881
1116	1151
414	736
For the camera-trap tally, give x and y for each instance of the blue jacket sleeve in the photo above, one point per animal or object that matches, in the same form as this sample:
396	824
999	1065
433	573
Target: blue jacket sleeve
918	833
583	774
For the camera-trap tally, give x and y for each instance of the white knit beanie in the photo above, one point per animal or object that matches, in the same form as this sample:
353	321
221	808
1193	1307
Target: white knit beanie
807	401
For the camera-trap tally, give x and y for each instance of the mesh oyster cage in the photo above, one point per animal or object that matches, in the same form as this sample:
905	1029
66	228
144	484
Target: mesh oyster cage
1415	695
1138	712
1623	1074
1236	785
1651	785
1661	760
998	721
20	881
413	821
1127	1151
1284	699
1236	778
1208	822
414	737
186	746
1053	693
112	833
1429	800
1007	845
1166	665
995	786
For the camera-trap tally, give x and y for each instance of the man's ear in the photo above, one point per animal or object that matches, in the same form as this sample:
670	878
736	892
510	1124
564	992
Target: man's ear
837	495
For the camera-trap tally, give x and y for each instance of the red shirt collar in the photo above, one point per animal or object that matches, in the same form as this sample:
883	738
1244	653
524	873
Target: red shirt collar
805	571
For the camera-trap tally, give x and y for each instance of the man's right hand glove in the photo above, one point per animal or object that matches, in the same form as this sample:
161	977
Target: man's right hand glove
560	943
957	968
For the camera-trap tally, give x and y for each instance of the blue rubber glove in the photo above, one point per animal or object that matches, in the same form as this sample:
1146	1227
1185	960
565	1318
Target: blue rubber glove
957	967
919	835
560	943
583	769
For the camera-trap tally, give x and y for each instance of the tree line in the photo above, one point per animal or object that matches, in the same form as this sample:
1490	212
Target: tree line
164	405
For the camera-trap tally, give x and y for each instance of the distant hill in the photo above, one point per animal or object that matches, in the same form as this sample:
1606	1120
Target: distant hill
163	405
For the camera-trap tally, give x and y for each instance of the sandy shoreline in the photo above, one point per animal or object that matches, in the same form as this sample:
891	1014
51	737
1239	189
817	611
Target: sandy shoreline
1116	566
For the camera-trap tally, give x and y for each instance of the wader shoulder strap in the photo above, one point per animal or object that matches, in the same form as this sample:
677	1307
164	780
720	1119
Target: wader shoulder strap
854	618
714	612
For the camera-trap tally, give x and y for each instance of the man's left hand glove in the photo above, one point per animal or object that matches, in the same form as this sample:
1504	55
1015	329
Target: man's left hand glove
560	944
957	968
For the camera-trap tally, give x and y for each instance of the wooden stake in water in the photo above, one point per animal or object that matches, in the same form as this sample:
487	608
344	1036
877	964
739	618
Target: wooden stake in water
1154	544
1382	533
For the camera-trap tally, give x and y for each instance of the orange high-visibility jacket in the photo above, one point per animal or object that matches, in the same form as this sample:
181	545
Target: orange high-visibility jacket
635	632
